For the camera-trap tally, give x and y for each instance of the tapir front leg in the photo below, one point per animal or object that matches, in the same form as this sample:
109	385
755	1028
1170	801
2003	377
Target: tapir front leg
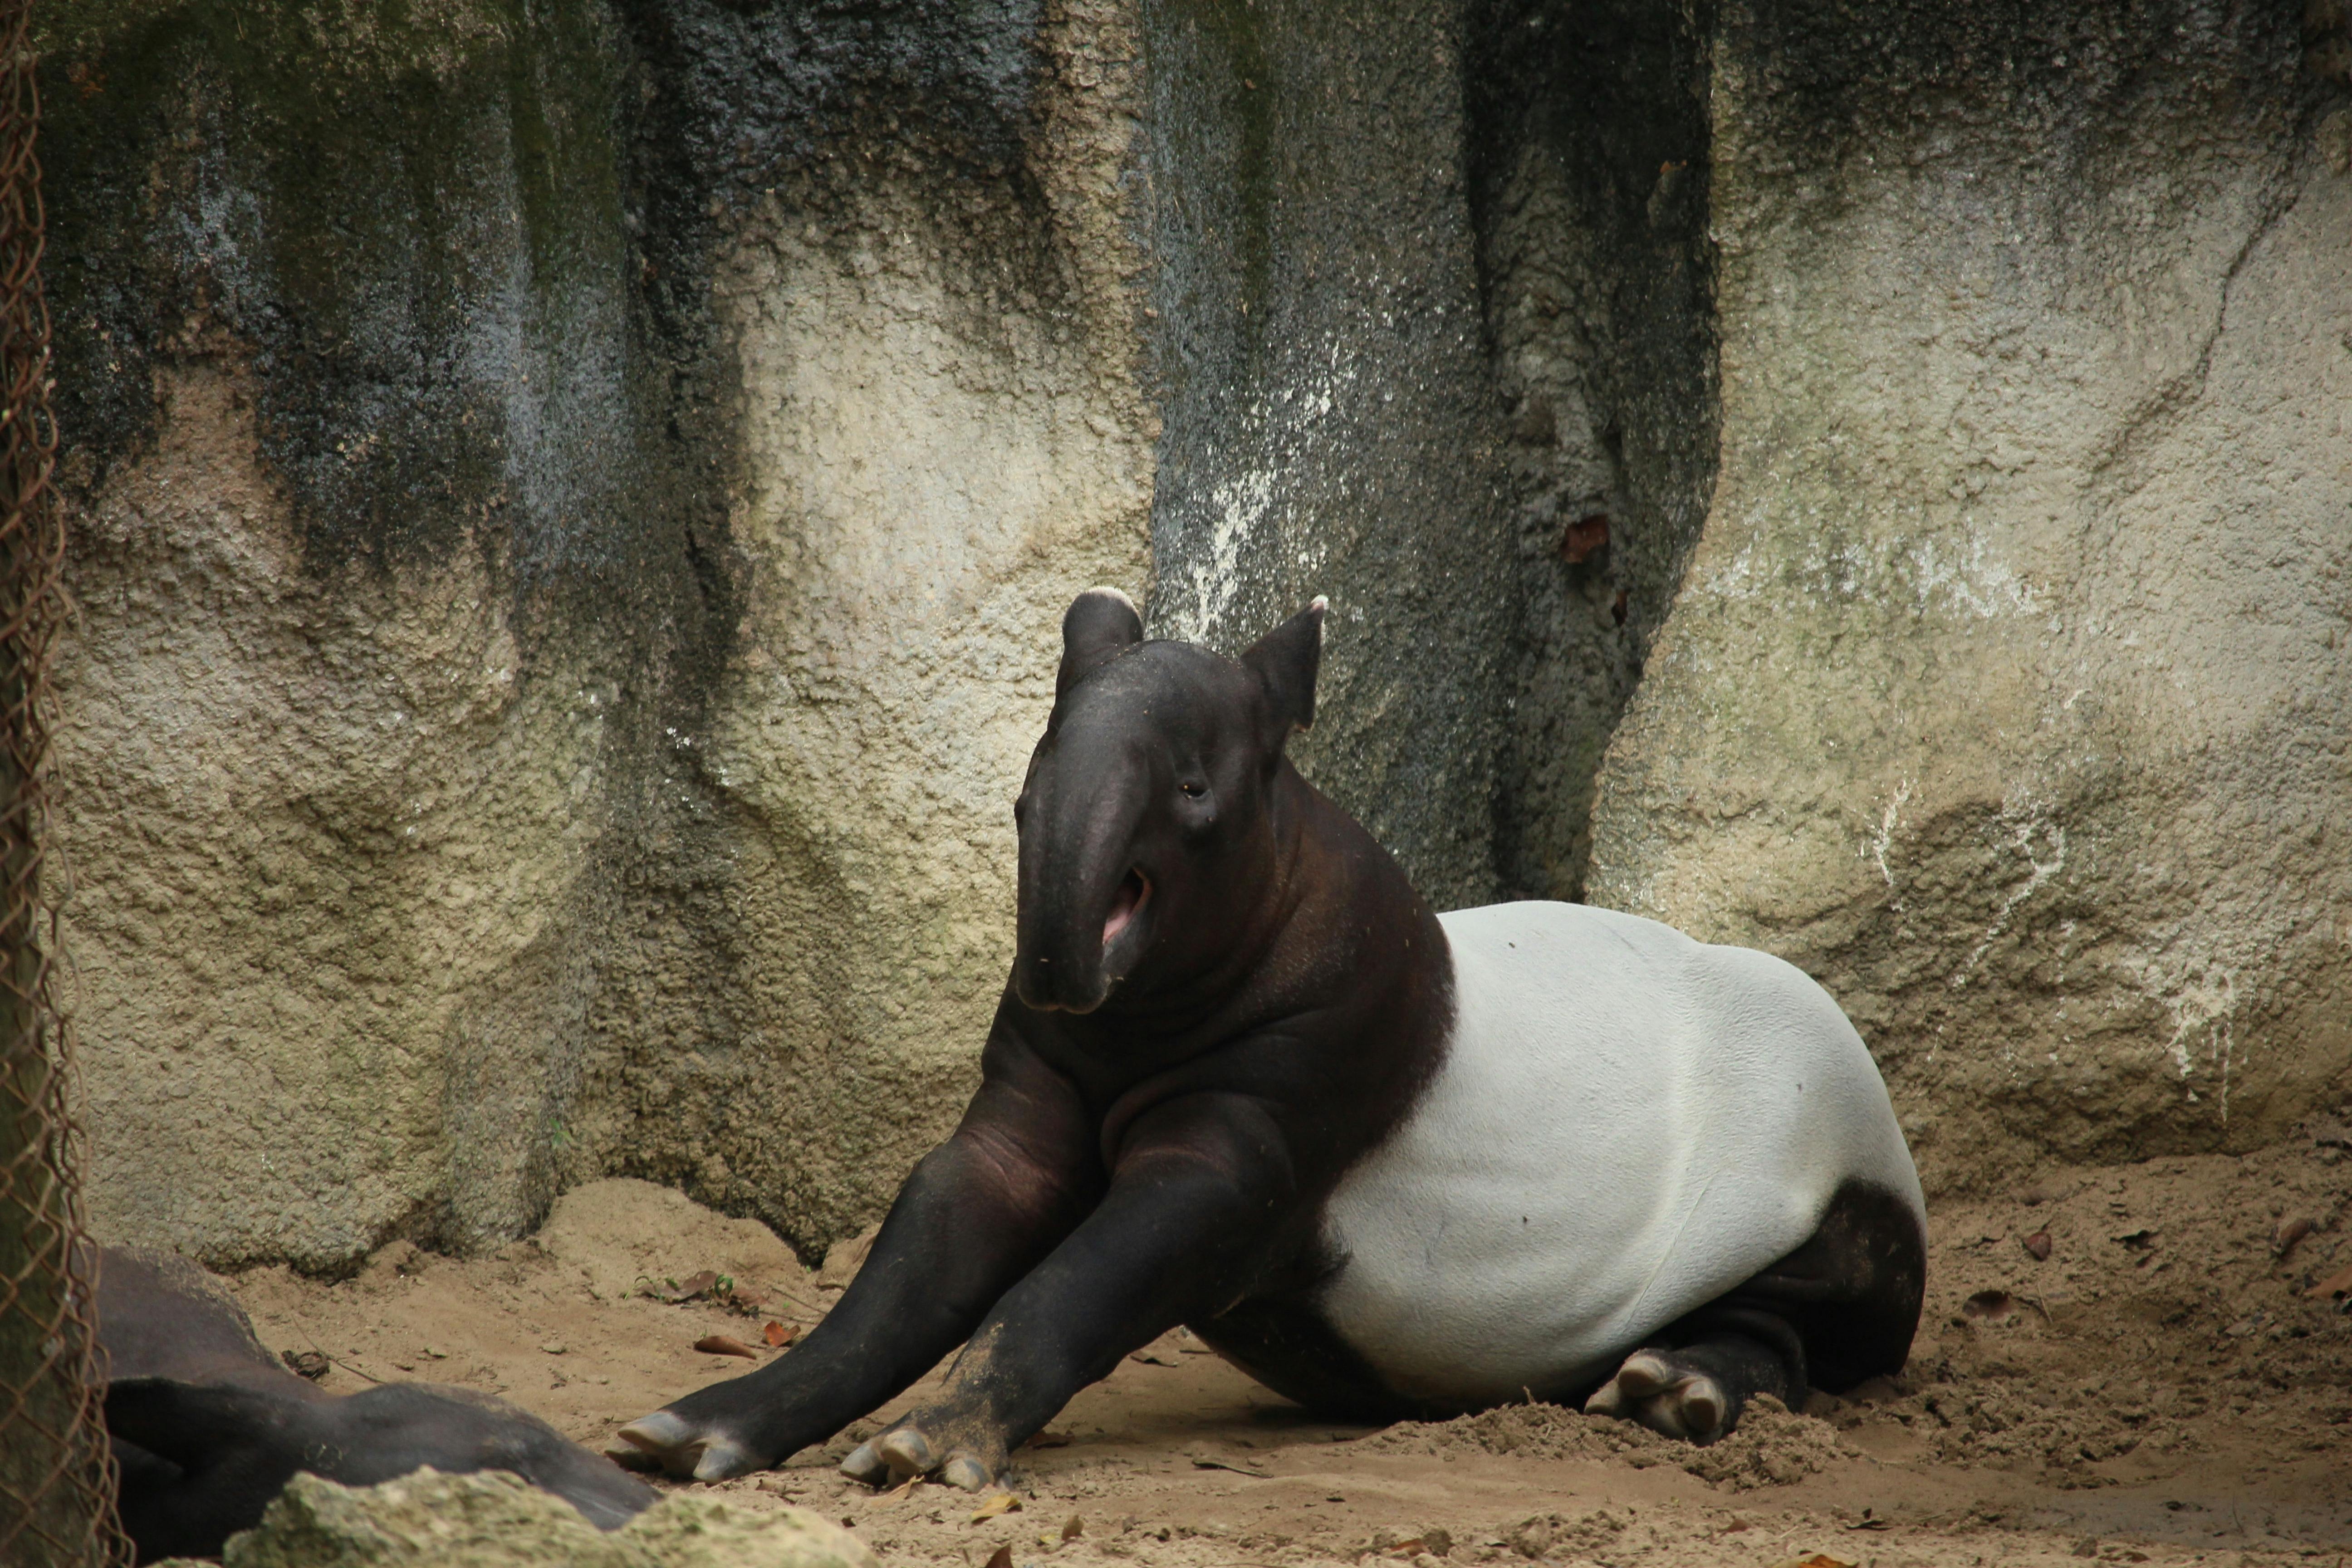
978	1212
1198	1195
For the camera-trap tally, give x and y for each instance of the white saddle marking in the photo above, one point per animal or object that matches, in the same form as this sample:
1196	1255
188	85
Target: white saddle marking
1627	1124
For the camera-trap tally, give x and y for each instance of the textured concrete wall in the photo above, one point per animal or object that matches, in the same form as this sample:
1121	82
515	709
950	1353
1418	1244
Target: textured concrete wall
1329	417
574	513
2009	691
572	507
941	441
365	620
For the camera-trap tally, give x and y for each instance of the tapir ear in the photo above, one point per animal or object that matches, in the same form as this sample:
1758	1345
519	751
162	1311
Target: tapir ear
1287	660
1099	624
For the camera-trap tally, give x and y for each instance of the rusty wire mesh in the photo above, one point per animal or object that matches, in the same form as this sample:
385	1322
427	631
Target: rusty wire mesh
55	1477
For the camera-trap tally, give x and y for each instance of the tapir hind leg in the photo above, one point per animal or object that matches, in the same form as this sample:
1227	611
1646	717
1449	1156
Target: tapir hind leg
1840	1309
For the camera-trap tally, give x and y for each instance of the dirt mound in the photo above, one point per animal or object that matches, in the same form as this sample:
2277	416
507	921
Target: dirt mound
1771	1446
623	1235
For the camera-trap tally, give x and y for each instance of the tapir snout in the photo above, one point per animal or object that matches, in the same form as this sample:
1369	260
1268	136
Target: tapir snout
1084	900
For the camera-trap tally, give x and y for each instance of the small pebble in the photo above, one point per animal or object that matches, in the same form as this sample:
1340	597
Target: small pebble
2038	1243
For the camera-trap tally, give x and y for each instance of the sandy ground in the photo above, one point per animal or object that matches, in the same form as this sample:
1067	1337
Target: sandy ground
2161	1388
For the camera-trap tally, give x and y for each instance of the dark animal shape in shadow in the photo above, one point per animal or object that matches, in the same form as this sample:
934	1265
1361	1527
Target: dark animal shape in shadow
1390	1163
209	1427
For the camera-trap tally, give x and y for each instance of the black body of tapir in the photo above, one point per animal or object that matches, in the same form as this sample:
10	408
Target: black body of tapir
1390	1163
208	1427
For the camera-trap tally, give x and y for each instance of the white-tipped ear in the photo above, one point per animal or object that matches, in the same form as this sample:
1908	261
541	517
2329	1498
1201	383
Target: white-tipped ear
1100	624
1286	661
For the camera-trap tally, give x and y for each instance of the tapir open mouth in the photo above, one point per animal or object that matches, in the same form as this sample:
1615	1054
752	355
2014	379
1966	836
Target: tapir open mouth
1132	891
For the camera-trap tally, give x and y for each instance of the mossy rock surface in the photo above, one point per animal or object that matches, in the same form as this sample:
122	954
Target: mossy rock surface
492	1519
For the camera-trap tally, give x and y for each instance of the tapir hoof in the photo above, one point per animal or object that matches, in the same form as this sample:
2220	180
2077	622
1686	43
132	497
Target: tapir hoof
1651	1390
669	1442
908	1451
967	1472
643	1443
897	1461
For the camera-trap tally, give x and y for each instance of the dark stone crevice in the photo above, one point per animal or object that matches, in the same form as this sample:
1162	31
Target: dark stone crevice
1328	420
1590	174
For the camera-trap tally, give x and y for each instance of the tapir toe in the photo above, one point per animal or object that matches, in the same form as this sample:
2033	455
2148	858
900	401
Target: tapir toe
863	1465
648	1442
908	1451
1651	1389
967	1472
954	1451
720	1459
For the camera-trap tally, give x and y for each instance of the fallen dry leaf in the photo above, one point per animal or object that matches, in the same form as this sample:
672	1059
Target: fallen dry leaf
1203	1462
2335	1284
996	1503
2038	1243
1818	1559
685	1289
2289	1232
724	1344
909	1484
1152	1358
1001	1558
1049	1440
779	1335
1073	1528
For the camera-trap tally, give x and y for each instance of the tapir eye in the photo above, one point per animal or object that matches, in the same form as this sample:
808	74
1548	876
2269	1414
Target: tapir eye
1193	789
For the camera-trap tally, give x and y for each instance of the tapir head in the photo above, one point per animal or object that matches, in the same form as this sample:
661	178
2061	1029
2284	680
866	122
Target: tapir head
1145	829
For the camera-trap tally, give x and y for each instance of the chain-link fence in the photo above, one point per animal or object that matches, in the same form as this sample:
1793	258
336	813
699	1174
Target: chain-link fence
56	1483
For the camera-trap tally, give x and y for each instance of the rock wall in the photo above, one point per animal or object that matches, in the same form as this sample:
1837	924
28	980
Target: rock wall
572	508
573	514
940	440
1591	150
1329	418
2008	691
334	298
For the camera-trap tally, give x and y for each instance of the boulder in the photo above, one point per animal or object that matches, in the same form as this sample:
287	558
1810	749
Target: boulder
571	515
2009	690
492	1519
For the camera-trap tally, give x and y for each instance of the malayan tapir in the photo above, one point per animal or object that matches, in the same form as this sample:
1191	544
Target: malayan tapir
208	1428
1388	1162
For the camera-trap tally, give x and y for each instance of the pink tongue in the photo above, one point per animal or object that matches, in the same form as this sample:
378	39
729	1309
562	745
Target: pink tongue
1122	908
